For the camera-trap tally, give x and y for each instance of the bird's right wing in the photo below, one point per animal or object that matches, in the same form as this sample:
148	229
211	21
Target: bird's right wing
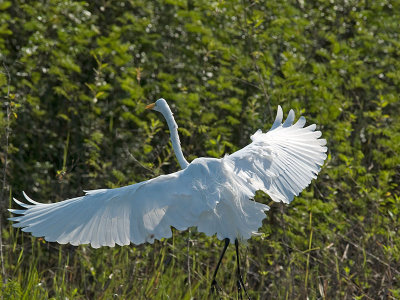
137	213
282	161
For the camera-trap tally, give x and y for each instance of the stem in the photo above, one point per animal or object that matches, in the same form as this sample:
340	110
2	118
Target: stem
308	255
7	131
2	200
188	266
64	167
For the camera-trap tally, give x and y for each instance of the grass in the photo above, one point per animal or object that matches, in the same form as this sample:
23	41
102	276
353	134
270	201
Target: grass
160	271
273	265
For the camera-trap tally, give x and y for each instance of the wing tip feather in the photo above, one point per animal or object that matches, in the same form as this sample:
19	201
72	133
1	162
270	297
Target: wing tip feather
289	120
278	118
21	203
29	199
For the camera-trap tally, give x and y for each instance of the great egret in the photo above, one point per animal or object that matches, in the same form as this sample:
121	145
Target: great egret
215	195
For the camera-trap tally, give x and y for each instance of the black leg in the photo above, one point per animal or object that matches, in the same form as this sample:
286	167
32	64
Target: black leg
214	282
240	283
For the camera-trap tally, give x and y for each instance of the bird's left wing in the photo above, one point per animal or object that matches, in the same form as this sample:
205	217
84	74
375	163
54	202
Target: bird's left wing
137	213
282	161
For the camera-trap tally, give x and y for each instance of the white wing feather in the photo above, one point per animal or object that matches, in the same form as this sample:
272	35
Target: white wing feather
137	213
206	194
212	194
283	161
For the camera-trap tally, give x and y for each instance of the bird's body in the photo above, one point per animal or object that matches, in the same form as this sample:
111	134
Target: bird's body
215	195
202	195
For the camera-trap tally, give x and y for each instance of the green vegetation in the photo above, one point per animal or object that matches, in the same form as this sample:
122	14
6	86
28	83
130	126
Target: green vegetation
75	78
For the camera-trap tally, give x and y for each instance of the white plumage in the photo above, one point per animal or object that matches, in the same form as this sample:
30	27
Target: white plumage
213	194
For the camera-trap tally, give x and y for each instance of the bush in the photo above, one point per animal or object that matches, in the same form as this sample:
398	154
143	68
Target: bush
75	78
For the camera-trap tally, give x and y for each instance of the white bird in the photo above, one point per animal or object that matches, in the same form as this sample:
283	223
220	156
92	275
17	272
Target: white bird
215	195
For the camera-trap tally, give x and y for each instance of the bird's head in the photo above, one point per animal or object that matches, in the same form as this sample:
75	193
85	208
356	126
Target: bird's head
160	105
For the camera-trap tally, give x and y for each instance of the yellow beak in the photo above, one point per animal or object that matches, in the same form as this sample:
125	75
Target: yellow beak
150	106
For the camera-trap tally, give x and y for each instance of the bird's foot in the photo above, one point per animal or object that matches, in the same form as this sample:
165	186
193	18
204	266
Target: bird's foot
215	288
240	286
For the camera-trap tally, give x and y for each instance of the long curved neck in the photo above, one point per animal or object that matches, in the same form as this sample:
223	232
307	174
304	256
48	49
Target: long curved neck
176	144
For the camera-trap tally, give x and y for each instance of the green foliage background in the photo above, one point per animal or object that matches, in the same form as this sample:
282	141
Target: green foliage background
75	77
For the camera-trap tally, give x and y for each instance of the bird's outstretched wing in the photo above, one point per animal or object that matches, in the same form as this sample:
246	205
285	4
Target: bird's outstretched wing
137	213
282	161
212	194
